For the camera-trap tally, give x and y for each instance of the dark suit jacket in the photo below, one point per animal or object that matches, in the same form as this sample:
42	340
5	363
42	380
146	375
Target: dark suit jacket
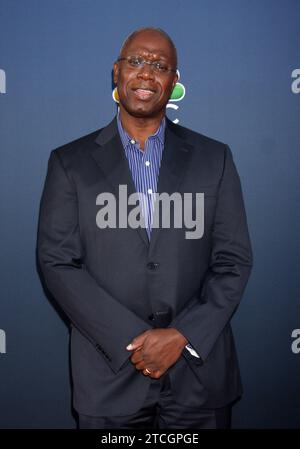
114	285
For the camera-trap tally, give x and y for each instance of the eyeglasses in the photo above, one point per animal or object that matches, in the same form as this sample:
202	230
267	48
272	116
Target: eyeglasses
136	62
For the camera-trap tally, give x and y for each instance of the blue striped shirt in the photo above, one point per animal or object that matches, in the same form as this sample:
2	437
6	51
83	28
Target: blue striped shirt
144	167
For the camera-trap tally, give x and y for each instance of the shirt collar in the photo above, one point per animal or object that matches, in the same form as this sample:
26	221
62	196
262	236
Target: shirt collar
160	133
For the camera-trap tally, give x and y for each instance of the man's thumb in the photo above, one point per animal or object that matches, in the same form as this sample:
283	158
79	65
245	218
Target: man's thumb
136	342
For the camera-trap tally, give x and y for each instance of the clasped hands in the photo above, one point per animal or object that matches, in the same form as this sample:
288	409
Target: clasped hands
155	350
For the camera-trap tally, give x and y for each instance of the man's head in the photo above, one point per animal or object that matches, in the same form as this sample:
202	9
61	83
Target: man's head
144	89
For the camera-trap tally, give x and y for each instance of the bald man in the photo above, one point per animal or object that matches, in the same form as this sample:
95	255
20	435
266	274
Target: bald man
149	304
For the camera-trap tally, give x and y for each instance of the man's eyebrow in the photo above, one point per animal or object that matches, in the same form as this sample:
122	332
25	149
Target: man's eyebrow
156	52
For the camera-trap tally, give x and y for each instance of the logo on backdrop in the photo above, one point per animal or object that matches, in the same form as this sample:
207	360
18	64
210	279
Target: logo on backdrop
2	342
2	82
178	94
296	83
296	341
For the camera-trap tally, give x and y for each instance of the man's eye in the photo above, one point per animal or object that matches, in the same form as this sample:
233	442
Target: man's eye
135	62
161	66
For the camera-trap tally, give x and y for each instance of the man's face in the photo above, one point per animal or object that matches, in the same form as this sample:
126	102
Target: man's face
144	92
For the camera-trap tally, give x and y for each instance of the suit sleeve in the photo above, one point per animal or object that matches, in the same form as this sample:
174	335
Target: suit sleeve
230	267
108	324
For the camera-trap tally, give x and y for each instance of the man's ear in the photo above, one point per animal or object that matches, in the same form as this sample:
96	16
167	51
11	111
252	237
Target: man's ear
116	72
176	78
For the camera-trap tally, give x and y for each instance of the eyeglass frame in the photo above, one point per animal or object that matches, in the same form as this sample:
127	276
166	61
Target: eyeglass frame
145	61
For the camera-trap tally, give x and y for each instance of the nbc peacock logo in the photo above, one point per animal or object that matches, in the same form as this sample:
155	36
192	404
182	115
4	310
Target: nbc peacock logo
178	94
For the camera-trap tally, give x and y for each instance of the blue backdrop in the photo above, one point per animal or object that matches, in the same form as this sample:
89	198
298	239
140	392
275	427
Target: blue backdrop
239	62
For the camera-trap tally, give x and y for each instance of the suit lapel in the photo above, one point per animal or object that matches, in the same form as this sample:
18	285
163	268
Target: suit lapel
173	167
111	159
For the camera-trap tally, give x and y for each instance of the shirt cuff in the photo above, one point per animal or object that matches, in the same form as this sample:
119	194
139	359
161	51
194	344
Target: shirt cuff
192	351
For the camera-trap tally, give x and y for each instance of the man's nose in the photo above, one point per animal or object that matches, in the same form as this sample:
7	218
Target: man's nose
146	72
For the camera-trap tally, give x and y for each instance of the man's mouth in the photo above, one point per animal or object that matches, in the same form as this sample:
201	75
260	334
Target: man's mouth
143	94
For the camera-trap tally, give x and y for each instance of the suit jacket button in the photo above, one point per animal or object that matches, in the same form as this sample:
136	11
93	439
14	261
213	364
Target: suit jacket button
152	266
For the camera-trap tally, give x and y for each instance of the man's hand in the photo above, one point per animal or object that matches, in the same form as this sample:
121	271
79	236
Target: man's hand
156	350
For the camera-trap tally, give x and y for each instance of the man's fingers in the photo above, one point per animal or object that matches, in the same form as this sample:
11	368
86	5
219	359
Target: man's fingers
132	346
140	365
145	368
136	356
156	374
137	342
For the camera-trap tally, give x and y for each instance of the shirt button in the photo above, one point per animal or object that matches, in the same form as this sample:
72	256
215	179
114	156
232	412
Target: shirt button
147	163
132	141
150	191
152	266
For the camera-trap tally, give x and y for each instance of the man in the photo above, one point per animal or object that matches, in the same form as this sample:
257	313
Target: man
150	309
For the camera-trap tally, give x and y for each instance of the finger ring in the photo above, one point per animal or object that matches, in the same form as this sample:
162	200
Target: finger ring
147	371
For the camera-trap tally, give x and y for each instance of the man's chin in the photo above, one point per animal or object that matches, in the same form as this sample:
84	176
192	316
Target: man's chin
144	112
